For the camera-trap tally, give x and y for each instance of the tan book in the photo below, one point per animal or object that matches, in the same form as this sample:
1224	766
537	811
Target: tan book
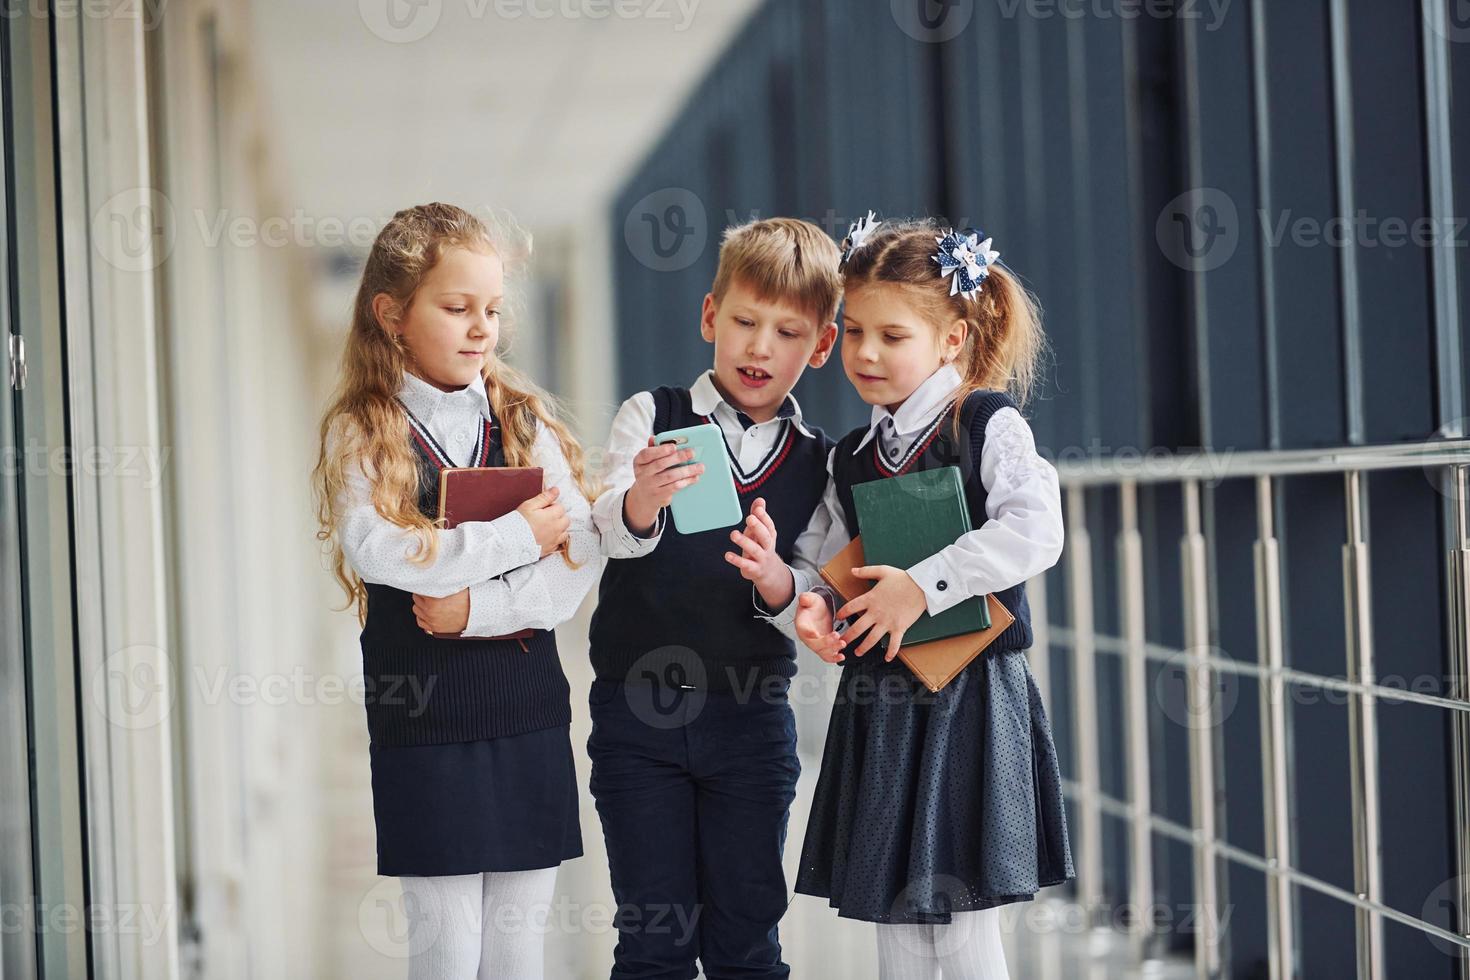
936	662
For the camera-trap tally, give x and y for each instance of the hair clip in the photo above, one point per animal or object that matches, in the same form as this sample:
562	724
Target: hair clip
968	258
857	236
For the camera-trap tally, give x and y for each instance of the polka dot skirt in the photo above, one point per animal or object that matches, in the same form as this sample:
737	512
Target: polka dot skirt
932	803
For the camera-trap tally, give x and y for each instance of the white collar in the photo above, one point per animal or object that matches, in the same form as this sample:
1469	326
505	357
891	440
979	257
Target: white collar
920	407
704	397
424	400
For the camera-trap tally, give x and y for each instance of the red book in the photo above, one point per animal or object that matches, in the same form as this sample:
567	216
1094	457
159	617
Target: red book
483	493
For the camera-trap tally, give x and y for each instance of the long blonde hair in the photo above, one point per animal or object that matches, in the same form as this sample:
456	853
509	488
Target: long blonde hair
1004	343
365	423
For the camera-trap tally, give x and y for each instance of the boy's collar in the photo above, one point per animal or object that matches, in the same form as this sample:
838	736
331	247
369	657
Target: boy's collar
704	396
920	407
424	400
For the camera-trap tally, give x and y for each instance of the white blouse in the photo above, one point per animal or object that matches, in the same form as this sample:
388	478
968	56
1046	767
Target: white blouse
749	441
511	586
1021	538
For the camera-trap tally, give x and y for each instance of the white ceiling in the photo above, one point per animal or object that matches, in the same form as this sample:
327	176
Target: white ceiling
493	107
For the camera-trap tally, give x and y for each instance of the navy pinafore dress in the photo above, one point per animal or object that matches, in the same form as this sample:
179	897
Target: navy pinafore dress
950	801
471	752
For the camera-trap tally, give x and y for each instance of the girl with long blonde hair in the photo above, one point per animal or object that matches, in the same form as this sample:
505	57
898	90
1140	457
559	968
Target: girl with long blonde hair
468	712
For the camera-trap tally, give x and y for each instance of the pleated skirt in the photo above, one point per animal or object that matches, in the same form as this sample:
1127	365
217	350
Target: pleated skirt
930	803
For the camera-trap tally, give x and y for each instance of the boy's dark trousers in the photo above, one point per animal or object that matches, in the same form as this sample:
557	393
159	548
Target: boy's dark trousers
693	788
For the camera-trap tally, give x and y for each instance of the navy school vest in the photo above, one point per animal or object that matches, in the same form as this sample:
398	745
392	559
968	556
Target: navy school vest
933	448
682	614
425	690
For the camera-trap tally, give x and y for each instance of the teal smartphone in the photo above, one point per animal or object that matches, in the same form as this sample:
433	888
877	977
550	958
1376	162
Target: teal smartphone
711	501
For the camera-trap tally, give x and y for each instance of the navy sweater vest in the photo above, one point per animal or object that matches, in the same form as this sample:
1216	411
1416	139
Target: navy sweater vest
936	447
423	690
682	614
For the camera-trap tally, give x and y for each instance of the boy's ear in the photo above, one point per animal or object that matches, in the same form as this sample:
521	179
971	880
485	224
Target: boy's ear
826	340
707	317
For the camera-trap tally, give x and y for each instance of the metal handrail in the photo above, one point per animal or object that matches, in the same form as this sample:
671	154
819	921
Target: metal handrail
1170	828
1181	467
1158	652
1440	458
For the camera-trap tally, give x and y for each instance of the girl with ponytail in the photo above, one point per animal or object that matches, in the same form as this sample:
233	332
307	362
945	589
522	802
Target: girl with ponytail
932	810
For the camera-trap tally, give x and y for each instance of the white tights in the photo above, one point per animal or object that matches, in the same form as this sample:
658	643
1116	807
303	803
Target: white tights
488	926
966	949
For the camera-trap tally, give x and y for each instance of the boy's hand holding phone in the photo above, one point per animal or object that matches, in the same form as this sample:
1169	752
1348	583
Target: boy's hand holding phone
657	476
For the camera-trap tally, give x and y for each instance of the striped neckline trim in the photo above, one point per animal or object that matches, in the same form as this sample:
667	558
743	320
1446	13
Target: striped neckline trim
746	482
921	443
436	454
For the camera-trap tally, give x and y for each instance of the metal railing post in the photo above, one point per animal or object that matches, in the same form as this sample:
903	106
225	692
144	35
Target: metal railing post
1084	708
1363	732
1136	700
1459	614
1199	688
1275	771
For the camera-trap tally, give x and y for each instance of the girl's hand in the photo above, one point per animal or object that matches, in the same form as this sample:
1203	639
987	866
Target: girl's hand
548	520
889	607
814	627
657	476
758	561
450	614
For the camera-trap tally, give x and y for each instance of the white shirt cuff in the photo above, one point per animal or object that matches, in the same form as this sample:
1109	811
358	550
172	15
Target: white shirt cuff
783	619
484	604
517	538
619	541
516	601
941	583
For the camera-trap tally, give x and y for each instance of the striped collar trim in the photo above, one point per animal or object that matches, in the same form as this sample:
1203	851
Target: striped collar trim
746	482
929	399
436	454
920	444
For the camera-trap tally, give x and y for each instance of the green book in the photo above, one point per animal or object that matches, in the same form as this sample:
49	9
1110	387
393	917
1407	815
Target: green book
905	519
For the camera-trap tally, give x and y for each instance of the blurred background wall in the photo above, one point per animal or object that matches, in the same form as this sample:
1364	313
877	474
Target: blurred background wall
1241	218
